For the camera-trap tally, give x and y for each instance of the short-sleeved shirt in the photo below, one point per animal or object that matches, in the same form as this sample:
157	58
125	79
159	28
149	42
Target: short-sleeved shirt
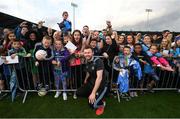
92	68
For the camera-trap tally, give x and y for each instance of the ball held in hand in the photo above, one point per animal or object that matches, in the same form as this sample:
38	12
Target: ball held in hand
41	54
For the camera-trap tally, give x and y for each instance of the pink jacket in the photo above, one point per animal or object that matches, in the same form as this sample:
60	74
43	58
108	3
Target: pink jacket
159	61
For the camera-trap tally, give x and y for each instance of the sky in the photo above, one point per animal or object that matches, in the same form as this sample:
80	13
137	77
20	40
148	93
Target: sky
127	15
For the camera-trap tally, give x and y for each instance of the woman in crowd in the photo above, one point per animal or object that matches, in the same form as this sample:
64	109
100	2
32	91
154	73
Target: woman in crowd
76	60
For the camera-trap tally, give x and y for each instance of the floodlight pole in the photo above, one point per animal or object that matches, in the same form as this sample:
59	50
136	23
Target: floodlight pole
148	12
74	6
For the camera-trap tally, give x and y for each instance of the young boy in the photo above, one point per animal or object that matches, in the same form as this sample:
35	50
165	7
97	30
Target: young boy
44	65
125	64
65	25
93	44
61	70
18	71
146	66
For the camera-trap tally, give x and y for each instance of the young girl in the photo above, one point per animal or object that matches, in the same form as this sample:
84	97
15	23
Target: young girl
6	45
157	58
76	60
61	69
165	48
10	37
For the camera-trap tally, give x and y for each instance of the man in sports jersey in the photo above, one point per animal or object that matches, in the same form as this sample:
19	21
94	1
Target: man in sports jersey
95	85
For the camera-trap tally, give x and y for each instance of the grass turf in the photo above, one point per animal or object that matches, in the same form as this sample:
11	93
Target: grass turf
160	104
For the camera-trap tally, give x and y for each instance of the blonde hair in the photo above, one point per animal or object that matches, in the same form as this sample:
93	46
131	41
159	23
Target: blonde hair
168	46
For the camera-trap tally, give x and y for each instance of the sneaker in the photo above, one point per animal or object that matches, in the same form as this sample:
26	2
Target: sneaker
39	86
64	96
122	95
19	94
3	95
149	87
142	93
131	94
75	96
135	94
104	103
152	91
178	90
125	96
100	110
155	77
57	94
47	87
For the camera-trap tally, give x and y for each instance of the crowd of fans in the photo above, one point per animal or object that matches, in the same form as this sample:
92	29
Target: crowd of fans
127	54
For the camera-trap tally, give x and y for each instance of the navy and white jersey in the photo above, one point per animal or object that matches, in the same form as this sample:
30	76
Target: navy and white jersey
92	67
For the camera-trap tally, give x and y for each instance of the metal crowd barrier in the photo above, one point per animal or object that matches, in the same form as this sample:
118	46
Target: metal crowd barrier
168	80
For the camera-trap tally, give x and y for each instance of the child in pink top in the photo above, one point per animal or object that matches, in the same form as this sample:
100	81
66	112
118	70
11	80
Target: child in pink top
157	58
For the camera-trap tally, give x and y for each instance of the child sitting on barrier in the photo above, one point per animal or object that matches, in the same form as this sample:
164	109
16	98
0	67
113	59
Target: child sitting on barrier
146	66
157	58
125	64
43	55
61	70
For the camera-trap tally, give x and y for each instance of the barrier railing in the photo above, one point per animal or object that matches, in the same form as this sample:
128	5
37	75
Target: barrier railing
167	80
28	78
